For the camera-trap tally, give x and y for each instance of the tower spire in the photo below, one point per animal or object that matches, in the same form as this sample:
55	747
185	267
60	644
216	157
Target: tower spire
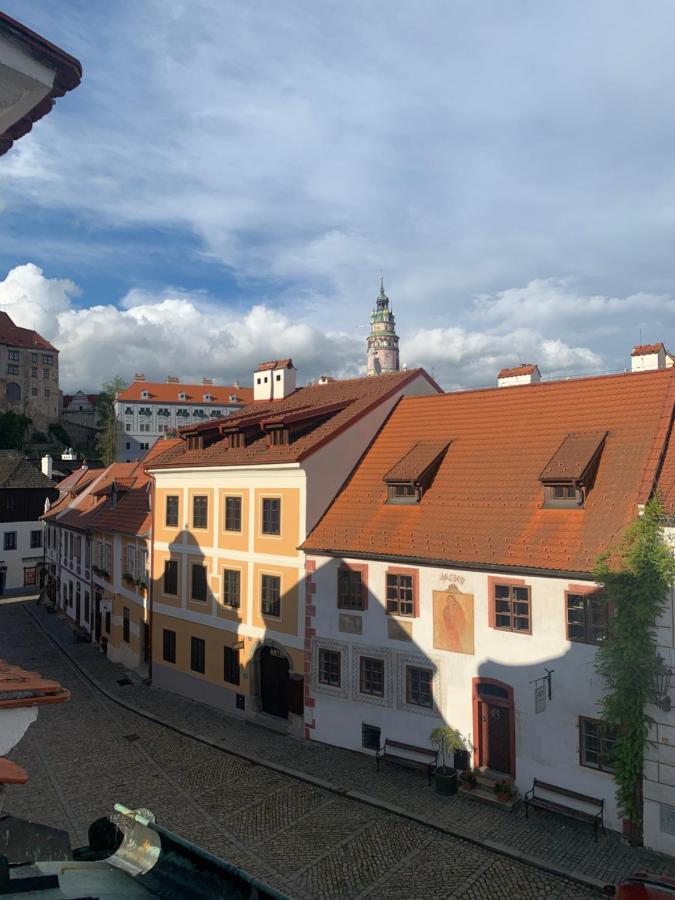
382	340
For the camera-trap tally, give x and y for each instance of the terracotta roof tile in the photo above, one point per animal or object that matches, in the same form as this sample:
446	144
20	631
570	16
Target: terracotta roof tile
485	505
524	369
11	773
274	364
647	349
14	336
168	393
352	398
416	461
19	687
573	456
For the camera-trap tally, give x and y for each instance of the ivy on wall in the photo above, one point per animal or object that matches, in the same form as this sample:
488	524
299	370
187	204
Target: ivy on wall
636	576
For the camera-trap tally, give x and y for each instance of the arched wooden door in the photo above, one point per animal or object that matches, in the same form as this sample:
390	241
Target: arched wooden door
494	726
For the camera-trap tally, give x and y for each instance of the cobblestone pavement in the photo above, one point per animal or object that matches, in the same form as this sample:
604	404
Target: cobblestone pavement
86	755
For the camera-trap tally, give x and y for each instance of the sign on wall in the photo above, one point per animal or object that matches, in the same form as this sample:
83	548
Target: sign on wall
540	697
453	621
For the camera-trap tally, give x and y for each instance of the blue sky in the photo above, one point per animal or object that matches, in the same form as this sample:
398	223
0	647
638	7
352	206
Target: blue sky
230	178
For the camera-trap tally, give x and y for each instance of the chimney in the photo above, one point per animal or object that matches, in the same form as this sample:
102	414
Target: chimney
207	380
139	376
646	357
525	373
235	385
274	380
69	454
172	379
46	465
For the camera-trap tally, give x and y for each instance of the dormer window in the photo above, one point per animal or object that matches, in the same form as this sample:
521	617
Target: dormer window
414	472
145	395
182	396
207	398
233	398
570	473
278	437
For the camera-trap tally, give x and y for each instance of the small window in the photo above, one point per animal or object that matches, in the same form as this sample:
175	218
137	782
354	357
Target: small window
278	437
400	595
587	618
350	589
371	676
34	357
419	687
45	373
271	515
231	665
33	392
128	411
35	539
48	359
278	377
48	393
198	655
329	667
171	518
271	595
12	370
512	607
34	372
200	512
597	744
232	588
13	355
10	540
198	591
403	493
169	646
233	514
125	624
563	495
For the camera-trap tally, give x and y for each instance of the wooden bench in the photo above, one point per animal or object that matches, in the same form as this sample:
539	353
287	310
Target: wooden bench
407	755
536	797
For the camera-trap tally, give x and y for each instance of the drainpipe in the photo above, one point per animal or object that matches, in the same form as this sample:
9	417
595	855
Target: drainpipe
151	579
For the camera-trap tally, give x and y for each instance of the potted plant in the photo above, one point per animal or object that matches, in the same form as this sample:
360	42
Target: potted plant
504	790
469	780
141	585
446	740
128	579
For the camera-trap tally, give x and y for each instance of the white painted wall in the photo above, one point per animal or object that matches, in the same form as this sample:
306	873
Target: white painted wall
648	361
546	743
24	556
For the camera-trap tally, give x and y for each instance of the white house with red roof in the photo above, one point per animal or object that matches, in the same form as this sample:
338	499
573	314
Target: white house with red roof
451	582
147	410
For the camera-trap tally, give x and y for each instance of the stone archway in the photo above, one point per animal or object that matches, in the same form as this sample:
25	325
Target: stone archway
271	665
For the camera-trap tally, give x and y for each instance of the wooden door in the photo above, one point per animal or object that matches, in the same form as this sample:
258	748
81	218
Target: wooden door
498	742
273	678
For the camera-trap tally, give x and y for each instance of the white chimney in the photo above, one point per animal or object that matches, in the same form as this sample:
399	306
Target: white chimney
525	373
69	454
646	357
274	380
46	465
235	385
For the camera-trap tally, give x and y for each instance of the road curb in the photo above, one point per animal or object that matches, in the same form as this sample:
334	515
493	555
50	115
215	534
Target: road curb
495	847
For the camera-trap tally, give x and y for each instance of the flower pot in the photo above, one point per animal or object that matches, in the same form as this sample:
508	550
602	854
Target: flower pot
446	781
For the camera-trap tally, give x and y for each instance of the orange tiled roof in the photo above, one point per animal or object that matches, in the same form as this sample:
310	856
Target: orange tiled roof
350	399
647	349
484	507
524	369
19	687
274	364
168	393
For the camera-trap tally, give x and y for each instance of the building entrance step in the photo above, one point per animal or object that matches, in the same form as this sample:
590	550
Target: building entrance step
484	794
271	723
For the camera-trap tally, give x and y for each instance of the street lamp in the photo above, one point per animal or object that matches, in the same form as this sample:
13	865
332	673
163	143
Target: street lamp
661	684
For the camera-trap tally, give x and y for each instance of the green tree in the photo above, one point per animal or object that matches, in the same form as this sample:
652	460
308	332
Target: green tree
636	575
109	434
13	430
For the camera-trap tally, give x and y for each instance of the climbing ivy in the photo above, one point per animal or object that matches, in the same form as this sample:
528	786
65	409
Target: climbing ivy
636	575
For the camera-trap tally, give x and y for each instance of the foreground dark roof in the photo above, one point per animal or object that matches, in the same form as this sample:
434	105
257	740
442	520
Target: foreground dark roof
17	472
67	75
484	506
334	406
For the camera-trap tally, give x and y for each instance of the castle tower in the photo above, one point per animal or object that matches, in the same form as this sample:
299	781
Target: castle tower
382	340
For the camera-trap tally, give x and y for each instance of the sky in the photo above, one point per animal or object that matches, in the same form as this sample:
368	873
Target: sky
230	179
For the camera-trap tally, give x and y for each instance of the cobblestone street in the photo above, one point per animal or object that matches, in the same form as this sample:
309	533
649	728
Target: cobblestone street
86	755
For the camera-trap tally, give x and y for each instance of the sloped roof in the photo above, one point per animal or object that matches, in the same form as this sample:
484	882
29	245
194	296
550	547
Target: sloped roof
647	349
18	687
524	369
67	74
14	336
485	506
274	364
168	393
17	472
352	398
573	456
